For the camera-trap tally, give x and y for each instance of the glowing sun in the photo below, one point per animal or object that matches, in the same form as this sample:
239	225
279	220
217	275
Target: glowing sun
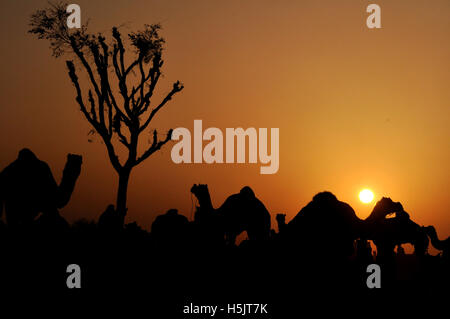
366	196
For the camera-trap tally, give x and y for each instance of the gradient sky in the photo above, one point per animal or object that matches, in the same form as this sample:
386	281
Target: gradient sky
356	107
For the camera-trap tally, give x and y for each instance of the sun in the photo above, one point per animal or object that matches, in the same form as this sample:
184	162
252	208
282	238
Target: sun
366	196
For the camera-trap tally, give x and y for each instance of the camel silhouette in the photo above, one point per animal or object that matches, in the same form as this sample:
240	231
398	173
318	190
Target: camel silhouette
324	222
387	233
27	188
240	212
328	222
170	228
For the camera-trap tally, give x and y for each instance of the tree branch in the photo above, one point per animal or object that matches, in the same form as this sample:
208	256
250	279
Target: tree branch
177	87
101	130
86	65
155	146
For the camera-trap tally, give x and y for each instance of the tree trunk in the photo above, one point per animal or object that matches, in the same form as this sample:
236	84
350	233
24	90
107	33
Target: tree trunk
121	205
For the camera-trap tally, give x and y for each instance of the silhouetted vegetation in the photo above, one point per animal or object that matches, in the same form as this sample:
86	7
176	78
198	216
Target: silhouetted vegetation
326	246
118	105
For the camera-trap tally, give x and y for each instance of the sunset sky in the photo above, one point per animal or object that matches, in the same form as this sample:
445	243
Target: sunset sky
356	107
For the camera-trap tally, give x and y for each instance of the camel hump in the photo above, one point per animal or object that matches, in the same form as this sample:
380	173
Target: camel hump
325	197
247	192
26	171
169	224
172	212
27	155
28	162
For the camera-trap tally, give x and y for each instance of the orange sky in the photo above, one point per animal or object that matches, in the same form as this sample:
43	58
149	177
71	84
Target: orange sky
356	107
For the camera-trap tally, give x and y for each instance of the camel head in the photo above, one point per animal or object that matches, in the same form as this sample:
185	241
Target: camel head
430	230
247	193
202	193
386	206
74	163
199	189
71	172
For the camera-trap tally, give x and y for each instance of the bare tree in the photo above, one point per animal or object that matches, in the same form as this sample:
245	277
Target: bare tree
115	108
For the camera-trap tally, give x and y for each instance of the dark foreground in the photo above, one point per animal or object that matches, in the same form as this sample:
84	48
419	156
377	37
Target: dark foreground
162	278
